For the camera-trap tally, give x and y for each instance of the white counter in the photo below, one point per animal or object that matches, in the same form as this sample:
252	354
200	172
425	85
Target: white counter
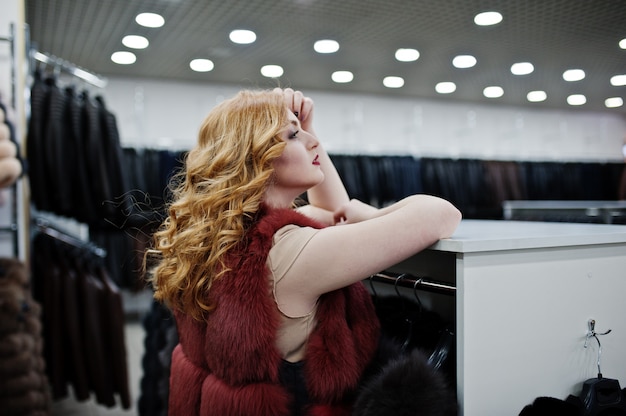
479	235
525	293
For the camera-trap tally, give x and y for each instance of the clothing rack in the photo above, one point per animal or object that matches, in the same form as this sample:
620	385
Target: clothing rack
70	68
12	228
413	282
44	228
11	40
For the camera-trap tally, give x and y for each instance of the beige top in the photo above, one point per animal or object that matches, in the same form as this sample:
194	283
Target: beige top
293	331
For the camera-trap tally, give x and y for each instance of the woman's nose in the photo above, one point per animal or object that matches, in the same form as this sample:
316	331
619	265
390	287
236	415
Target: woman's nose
313	141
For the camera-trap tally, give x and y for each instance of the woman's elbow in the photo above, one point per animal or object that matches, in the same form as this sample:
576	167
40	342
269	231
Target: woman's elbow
451	219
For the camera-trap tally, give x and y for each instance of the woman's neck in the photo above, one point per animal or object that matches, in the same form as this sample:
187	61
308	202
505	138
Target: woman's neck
276	197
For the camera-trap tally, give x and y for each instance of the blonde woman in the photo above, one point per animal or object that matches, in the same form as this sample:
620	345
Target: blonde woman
271	315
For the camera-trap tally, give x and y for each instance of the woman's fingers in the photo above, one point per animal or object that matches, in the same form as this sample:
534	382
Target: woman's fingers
295	100
299	104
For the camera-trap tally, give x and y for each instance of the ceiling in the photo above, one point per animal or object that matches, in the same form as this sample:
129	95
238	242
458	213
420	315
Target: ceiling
554	35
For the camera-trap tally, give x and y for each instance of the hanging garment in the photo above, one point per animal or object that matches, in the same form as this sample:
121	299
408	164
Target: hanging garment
74	359
58	195
74	148
24	388
112	320
35	141
83	321
47	289
414	327
116	205
406	385
160	340
77	178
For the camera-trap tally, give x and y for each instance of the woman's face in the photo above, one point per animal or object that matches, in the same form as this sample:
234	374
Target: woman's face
297	169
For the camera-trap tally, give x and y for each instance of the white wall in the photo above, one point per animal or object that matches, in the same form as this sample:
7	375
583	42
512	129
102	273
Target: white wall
153	113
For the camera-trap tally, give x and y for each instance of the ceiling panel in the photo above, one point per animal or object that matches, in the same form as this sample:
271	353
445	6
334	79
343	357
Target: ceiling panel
552	34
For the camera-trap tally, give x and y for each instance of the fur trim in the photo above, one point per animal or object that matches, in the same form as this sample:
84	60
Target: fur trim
245	379
406	386
13	271
24	387
14	386
24	404
550	406
16	342
185	381
253	399
18	365
335	362
321	410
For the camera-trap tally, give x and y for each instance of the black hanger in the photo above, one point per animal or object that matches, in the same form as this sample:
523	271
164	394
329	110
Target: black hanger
445	343
374	293
408	318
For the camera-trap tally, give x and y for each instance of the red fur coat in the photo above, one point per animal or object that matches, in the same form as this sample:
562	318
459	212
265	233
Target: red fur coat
229	365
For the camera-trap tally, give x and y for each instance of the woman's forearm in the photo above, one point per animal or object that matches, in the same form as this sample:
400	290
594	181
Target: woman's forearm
331	193
436	217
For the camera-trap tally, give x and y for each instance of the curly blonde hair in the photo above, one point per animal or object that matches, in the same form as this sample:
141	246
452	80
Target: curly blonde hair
216	197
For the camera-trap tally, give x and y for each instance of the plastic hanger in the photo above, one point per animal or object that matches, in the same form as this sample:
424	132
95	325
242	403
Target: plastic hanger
407	316
444	345
373	289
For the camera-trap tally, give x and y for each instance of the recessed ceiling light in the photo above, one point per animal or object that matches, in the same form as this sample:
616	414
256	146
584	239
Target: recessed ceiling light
272	71
242	36
573	75
445	87
536	96
150	20
622	43
614	102
393	82
123	57
464	61
201	65
493	92
342	77
576	99
407	55
326	46
135	42
618	80
487	18
522	68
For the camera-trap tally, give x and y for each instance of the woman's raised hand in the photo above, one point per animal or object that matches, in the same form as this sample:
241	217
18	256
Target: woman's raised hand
300	105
